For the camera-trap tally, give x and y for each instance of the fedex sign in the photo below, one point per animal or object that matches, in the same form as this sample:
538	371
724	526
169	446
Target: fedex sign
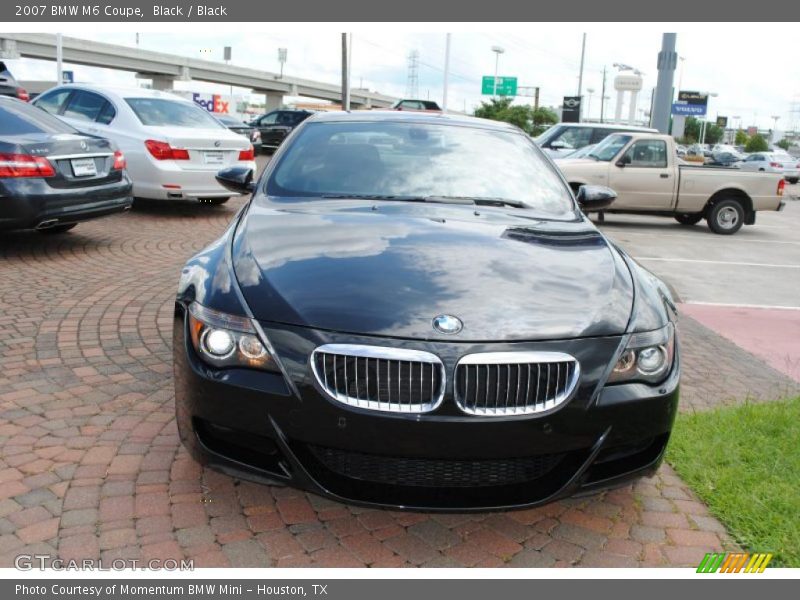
213	103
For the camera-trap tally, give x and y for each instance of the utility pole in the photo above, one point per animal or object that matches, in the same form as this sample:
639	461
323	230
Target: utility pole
662	104
603	97
446	70
345	75
580	75
59	58
536	98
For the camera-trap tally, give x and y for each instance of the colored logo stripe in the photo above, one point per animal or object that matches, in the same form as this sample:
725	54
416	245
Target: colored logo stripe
734	562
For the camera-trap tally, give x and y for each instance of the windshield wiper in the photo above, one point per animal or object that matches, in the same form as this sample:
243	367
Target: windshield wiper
375	197
481	201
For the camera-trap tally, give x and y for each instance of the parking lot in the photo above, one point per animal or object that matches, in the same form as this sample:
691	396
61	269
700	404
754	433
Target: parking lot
91	464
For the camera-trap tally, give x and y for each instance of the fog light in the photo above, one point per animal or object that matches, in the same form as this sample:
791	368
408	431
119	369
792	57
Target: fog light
651	359
218	342
251	347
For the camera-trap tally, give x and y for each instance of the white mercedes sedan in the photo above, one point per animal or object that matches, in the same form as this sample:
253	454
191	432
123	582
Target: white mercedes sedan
174	148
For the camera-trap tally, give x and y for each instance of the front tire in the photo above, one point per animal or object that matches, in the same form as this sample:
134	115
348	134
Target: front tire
57	229
726	217
688	218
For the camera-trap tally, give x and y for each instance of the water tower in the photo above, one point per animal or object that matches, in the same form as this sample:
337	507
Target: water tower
627	83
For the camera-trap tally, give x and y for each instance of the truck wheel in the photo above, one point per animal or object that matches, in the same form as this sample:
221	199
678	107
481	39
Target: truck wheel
57	229
688	218
726	217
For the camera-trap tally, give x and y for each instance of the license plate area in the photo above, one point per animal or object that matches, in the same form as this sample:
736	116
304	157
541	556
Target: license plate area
214	158
83	167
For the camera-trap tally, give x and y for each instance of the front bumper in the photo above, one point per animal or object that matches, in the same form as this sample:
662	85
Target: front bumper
252	425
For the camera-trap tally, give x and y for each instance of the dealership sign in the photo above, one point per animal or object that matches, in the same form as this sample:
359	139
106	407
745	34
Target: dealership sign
688	110
213	103
571	109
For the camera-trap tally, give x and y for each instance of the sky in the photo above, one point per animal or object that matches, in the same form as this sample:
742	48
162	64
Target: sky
748	85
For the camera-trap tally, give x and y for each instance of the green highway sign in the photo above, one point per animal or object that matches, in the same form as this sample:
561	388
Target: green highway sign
506	86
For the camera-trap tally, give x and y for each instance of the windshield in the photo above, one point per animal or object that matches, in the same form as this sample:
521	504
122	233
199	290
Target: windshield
609	147
161	112
405	160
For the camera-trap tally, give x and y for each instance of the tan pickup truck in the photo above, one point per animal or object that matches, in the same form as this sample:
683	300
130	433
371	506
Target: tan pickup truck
649	178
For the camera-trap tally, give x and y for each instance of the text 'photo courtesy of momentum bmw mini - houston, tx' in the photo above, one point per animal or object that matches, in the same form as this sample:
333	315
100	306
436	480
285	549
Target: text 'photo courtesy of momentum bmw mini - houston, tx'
399	317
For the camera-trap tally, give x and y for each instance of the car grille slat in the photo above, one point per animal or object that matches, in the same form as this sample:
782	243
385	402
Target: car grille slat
516	383
379	378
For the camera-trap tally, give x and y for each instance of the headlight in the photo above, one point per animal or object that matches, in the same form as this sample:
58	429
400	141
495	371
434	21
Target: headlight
224	340
648	357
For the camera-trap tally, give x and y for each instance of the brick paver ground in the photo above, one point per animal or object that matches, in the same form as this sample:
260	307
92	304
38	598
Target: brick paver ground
90	464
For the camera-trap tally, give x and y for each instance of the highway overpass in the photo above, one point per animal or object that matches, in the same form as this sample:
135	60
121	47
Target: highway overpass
163	69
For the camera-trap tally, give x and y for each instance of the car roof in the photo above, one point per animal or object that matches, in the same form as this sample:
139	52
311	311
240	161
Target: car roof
377	115
121	92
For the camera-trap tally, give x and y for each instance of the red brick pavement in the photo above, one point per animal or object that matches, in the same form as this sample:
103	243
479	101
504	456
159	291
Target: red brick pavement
91	465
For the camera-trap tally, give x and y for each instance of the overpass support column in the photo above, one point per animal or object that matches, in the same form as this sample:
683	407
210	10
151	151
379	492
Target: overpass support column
160	82
273	101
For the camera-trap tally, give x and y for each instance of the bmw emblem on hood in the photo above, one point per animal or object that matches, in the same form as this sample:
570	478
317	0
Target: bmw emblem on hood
218	143
447	324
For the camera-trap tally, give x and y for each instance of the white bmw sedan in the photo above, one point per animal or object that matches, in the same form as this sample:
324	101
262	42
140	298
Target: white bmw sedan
173	147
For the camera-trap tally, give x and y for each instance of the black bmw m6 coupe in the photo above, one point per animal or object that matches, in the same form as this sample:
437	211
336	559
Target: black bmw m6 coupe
412	310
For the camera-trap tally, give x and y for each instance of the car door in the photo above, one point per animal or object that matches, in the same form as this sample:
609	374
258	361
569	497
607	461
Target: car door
268	126
643	175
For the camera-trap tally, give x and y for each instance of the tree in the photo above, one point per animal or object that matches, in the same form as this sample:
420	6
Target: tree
543	118
714	133
693	127
691	130
784	143
523	116
757	143
741	138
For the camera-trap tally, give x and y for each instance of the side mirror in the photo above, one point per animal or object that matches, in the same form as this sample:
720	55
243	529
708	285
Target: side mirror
237	179
625	160
595	197
558	145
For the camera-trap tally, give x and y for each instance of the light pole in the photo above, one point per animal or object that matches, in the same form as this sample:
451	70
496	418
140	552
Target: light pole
775	127
738	120
589	91
703	129
498	50
282	54
446	71
680	73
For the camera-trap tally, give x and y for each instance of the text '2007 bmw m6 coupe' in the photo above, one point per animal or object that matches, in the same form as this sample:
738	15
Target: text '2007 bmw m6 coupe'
413	311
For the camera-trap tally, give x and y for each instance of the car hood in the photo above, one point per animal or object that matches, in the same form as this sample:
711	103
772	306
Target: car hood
389	269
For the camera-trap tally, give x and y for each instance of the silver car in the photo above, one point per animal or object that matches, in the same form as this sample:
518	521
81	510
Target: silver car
773	162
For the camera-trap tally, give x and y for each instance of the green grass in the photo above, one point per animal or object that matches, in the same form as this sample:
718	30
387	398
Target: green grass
744	463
